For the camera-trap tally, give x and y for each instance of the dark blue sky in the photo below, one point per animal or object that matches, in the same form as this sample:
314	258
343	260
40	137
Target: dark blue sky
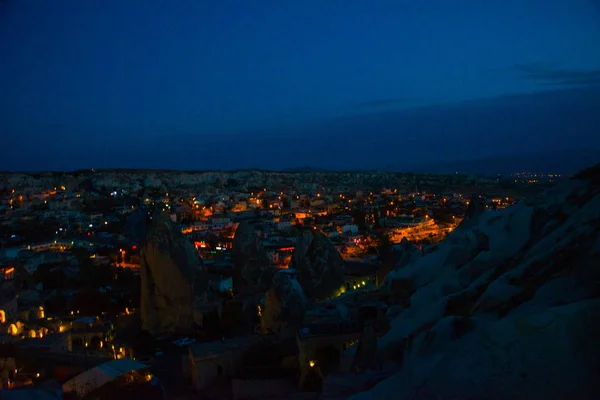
229	84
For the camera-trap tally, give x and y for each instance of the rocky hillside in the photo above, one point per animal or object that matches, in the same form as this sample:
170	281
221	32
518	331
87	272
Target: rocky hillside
284	305
320	267
507	307
250	261
172	279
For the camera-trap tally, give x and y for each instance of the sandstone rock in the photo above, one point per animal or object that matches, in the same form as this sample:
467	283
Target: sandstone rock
367	348
402	254
320	267
507	307
549	354
407	253
251	265
474	244
529	358
401	288
172	276
474	210
285	304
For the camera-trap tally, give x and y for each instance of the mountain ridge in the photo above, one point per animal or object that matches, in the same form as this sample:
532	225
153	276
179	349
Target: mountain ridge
564	162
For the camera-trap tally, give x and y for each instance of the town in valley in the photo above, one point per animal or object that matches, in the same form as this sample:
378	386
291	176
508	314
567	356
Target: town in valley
217	284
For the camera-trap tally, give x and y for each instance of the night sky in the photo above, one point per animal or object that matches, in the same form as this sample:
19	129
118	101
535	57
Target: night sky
194	84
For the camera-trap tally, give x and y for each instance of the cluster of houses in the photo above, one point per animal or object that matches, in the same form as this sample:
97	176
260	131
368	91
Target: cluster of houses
60	228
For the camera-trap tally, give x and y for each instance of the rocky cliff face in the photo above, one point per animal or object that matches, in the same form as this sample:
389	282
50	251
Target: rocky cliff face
320	267
285	304
401	254
251	265
508	306
172	278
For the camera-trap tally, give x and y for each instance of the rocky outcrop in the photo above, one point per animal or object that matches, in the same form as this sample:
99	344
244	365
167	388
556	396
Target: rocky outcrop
591	174
367	348
285	304
508	306
402	254
172	278
407	253
251	265
320	267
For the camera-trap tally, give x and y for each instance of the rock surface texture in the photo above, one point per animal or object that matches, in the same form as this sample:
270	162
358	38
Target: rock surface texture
171	272
251	265
320	267
507	307
285	304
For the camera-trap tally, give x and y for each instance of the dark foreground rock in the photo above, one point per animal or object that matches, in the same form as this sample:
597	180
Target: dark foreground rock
251	265
320	267
171	272
507	307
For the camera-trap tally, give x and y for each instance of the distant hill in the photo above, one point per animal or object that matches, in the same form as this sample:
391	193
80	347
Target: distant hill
559	162
304	170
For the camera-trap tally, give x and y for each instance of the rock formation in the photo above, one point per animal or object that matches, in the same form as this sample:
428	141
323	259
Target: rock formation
251	265
285	304
508	306
367	348
407	253
475	208
320	267
171	272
